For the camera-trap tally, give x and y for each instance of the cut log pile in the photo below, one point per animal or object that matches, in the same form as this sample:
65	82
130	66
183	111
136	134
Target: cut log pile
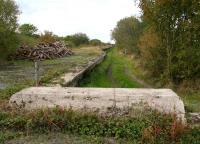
42	51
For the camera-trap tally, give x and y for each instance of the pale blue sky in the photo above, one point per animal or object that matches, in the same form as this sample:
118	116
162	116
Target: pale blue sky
96	18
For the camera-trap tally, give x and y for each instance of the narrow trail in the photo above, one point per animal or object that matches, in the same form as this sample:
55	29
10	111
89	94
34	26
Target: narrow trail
134	78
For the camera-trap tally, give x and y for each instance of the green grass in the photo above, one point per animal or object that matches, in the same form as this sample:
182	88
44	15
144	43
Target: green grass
191	101
6	93
115	71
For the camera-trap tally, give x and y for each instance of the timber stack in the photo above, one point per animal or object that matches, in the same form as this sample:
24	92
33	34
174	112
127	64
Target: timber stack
42	51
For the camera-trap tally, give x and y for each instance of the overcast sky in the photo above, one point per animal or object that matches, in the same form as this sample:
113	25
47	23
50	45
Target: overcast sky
96	18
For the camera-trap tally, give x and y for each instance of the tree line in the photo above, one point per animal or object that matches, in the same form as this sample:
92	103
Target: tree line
166	39
12	35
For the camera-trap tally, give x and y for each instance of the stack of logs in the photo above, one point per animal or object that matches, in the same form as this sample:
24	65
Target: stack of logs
42	51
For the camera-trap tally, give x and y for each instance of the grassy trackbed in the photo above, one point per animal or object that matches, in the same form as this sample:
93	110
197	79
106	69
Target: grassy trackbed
116	71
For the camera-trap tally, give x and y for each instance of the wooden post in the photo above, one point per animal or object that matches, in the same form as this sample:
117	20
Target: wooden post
36	74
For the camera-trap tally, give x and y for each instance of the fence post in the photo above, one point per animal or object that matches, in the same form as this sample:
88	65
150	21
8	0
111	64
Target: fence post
36	74
114	101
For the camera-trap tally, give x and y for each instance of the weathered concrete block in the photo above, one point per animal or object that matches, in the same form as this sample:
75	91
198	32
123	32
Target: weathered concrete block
163	100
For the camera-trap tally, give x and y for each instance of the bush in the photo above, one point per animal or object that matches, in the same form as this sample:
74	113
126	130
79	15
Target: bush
95	42
77	39
28	40
48	37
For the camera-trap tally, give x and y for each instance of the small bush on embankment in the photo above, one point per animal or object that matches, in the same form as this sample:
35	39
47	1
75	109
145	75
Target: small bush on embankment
151	127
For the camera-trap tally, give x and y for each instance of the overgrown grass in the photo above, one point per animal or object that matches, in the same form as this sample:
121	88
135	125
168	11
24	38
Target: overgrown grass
191	101
151	127
115	71
15	87
19	74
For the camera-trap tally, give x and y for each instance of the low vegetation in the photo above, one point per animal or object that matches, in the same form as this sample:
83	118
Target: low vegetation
191	101
151	127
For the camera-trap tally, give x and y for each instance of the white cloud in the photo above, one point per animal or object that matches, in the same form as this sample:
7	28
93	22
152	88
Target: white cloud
96	18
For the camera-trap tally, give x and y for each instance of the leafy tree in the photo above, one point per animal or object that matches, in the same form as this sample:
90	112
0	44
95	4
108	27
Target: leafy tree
152	55
28	29
126	34
176	23
8	24
48	37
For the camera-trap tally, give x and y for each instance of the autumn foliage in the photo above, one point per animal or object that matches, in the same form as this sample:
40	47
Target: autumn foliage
169	44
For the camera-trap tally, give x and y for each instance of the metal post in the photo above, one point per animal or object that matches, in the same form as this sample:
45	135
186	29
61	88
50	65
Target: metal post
114	101
36	74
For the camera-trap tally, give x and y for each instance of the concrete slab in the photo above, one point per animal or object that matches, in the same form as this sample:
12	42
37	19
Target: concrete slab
163	100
